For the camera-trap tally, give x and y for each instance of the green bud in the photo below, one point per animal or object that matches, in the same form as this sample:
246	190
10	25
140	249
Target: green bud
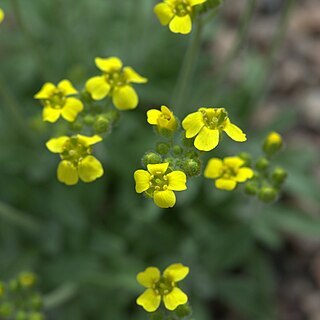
246	157
191	167
272	144
88	119
163	148
27	279
171	161
251	188
268	194
36	316
76	125
192	155
279	175
21	315
6	309
2	289
164	132
177	150
262	164
151	158
101	124
113	116
36	302
183	311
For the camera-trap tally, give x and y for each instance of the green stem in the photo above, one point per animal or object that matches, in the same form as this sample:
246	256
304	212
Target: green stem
187	67
60	296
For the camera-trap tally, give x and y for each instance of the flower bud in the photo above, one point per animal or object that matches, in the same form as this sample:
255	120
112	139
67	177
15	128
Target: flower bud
6	309
21	315
171	161
262	164
101	124
2	290
251	188
36	316
279	175
151	158
183	311
88	119
163	148
246	157
36	302
76	125
191	167
272	144
268	194
27	279
192	155
177	150
164	132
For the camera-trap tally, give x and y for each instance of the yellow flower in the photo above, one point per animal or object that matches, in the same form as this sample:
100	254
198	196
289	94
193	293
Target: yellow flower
207	124
163	119
177	14
159	185
1	15
162	287
57	101
27	279
115	81
272	143
228	172
77	161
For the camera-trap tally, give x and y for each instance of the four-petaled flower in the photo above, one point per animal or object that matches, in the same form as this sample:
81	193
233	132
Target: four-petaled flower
162	287
163	119
57	101
115	81
227	172
207	124
76	159
159	185
177	14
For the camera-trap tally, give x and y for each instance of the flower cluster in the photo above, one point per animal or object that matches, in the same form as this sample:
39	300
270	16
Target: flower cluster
89	118
19	298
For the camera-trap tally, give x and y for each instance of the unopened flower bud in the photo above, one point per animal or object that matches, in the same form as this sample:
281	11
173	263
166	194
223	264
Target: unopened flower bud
27	279
76	125
6	309
2	290
279	175
101	124
262	164
183	311
268	194
272	144
191	167
246	157
163	148
151	158
164	132
177	150
251	188
192	155
88	119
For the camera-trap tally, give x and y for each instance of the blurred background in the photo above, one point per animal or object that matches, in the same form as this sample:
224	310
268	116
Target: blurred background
259	59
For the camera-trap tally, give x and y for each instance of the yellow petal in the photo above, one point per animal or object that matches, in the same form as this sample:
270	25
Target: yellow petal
159	168
125	98
46	91
225	184
50	114
165	110
133	76
67	173
233	162
148	277
164	13
71	109
234	132
176	272
181	25
164	199
177	181
196	2
88	141
1	15
207	139
244	174
174	299
67	88
142	179
56	145
90	169
214	168
149	300
97	87
108	64
193	123
153	115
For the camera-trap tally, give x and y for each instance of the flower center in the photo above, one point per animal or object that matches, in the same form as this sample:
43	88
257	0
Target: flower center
57	100
229	172
163	286
159	181
74	151
116	78
182	8
214	118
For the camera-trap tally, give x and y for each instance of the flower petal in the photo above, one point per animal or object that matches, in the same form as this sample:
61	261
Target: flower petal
148	277
67	173
153	115
244	174
133	76
98	87
174	299
207	139
142	179
164	199
159	168
181	25
214	168
196	2
46	91
88	141
176	272
164	13
149	300
90	169
50	114
177	181
71	109
56	145
234	132
1	15
108	64
67	88
225	184
193	123
125	98
233	162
